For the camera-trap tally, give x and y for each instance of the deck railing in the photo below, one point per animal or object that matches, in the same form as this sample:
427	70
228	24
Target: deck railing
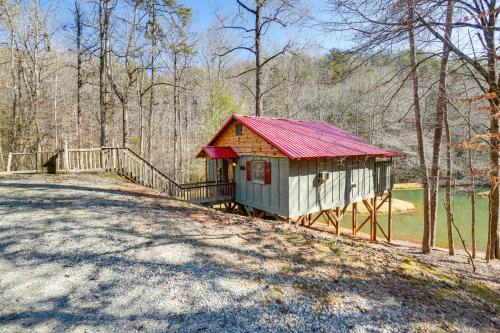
125	162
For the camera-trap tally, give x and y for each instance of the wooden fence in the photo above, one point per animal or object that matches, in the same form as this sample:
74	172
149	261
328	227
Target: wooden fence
125	162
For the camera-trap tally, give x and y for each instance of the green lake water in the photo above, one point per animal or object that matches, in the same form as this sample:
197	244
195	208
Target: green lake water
409	226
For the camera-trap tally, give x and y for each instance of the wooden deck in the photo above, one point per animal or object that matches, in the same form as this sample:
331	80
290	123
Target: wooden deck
126	163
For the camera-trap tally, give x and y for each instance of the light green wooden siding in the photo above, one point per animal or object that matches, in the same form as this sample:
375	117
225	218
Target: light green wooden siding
212	170
272	198
295	191
350	180
217	166
383	176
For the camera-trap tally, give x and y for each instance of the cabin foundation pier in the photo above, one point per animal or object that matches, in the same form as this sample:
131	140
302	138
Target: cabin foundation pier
374	207
333	217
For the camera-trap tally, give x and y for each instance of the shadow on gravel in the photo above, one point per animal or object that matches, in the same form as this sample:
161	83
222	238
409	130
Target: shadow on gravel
52	186
122	255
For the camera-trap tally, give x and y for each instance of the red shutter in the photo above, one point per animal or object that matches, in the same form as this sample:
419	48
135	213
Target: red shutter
267	173
249	170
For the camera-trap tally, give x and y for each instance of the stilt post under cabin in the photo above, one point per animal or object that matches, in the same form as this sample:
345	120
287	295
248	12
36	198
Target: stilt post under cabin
373	228
339	218
354	218
389	218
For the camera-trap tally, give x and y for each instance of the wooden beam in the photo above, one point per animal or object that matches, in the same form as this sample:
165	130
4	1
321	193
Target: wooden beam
383	201
316	218
339	219
368	205
382	230
364	222
374	219
334	219
9	161
389	218
354	217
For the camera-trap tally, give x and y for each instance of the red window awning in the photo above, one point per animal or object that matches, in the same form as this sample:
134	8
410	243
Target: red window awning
218	152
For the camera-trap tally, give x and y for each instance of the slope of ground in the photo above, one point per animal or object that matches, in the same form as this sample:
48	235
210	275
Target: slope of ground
87	253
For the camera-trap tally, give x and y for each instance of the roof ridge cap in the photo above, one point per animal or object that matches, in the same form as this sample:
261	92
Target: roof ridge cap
287	119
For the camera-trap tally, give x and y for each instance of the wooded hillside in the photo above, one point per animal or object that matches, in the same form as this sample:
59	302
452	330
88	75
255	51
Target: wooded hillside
415	76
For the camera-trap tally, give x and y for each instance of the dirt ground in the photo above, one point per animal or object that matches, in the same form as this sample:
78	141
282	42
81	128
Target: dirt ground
92	253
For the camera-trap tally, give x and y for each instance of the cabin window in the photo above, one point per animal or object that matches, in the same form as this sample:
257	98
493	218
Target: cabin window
258	168
237	129
260	172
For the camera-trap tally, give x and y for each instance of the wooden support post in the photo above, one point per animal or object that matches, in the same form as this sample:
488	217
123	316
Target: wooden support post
354	218
115	159
206	169
389	218
101	158
337	215
39	159
374	219
65	156
9	161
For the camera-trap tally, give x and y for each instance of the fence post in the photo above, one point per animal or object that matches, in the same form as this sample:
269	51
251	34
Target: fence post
101	157
9	161
39	167
66	156
113	159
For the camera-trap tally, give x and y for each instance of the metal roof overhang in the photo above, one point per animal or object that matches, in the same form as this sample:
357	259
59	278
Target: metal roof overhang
217	152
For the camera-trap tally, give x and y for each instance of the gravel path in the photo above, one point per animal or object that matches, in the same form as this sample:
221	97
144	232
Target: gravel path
92	254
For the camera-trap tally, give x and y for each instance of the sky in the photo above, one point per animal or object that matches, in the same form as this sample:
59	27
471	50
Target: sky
204	17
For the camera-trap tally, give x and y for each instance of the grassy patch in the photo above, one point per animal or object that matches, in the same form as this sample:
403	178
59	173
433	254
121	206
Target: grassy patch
484	292
332	245
447	284
111	176
296	240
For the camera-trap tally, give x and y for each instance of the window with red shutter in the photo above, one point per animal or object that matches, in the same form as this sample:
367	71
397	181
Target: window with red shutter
249	170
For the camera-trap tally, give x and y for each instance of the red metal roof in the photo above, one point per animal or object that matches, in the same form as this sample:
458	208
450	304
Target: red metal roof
308	139
219	152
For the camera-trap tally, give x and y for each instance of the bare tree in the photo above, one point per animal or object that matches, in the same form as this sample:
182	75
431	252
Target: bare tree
483	16
132	71
105	10
263	15
426	239
438	126
79	76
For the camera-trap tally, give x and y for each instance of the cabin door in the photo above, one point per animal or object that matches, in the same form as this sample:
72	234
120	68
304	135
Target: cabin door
225	170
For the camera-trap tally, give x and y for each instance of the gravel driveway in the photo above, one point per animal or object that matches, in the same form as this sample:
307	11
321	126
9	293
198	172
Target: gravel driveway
92	254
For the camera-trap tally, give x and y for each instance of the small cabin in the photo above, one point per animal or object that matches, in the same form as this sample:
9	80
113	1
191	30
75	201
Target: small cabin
292	169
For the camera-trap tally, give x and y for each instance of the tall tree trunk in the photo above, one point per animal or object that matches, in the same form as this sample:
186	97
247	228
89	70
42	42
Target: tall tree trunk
449	175
493	248
125	131
426	245
186	140
15	95
258	60
140	97
103	70
176	123
472	191
153	77
79	79
438	125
